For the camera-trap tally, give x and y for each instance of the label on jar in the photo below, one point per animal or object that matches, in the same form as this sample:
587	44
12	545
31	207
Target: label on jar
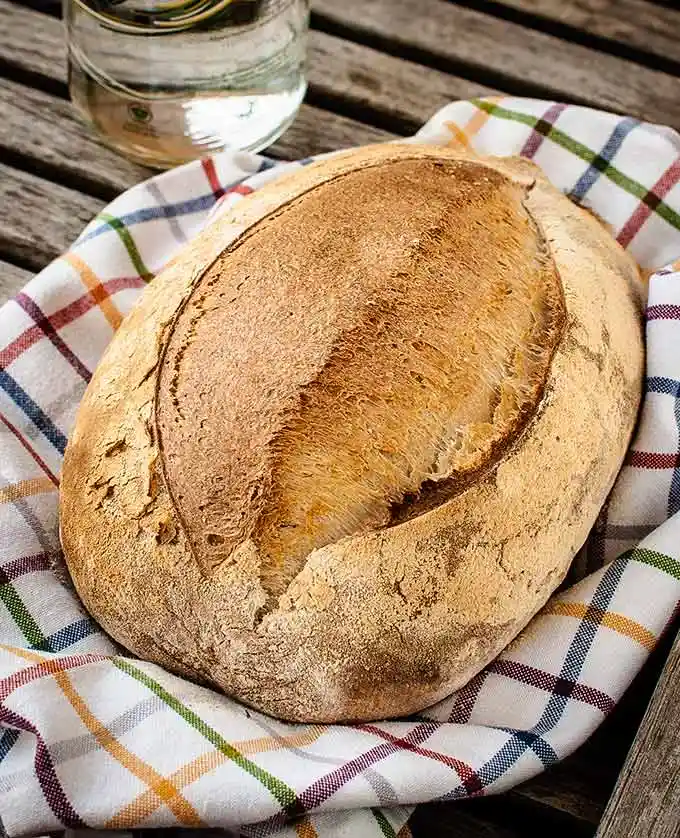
140	116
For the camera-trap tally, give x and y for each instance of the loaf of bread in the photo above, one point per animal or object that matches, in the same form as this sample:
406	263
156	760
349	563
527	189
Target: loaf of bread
347	444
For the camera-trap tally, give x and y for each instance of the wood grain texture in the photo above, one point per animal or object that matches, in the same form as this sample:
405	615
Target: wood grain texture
39	219
635	23
401	89
59	139
519	59
646	800
40	40
12	279
316	131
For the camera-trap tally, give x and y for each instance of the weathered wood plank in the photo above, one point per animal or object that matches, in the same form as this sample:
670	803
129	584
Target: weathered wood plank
401	89
12	279
316	131
410	91
59	139
38	39
516	58
651	26
646	801
39	219
337	68
635	23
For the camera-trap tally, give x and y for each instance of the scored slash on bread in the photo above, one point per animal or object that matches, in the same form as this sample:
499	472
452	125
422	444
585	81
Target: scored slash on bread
322	384
348	443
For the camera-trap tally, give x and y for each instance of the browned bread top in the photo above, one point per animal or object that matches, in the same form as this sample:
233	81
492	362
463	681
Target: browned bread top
348	443
335	367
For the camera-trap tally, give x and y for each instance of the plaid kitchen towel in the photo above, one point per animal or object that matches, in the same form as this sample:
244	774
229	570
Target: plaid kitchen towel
91	738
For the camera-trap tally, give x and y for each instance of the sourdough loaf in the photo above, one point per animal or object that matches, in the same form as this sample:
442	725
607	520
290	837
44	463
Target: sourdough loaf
348	442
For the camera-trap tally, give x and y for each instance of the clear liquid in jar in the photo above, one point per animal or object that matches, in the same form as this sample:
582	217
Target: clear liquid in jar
162	98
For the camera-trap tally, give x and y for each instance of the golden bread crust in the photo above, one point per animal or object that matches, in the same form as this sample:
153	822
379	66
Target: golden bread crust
348	443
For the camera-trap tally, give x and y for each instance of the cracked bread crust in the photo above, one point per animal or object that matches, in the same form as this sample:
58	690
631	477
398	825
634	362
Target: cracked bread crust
348	443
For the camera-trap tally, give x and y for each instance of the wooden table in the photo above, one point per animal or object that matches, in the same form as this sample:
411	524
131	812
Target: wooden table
379	68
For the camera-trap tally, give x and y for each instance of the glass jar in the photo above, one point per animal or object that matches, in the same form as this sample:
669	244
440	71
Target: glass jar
166	81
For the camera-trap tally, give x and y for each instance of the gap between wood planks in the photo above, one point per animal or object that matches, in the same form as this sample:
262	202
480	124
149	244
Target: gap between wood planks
630	29
345	78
